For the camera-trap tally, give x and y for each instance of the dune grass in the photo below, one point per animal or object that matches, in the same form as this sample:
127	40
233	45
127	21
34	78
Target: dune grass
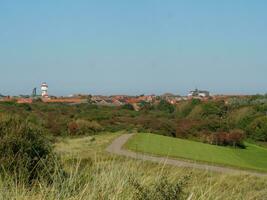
95	174
253	157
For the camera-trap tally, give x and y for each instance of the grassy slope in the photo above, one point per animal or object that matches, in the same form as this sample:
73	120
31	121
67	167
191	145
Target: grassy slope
253	157
108	177
202	184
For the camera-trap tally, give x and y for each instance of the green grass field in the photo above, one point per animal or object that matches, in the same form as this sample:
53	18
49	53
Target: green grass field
253	157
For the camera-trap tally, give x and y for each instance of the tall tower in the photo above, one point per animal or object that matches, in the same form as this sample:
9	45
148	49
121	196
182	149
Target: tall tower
44	89
34	92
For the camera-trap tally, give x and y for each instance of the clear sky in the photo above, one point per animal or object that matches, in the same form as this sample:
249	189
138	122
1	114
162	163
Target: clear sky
133	47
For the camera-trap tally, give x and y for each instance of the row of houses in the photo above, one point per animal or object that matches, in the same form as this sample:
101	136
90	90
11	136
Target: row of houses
114	100
30	100
119	100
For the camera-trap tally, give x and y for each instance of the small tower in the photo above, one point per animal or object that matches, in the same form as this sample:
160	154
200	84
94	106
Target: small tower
34	92
44	89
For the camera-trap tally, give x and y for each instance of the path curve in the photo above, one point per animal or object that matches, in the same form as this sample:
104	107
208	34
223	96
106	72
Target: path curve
116	148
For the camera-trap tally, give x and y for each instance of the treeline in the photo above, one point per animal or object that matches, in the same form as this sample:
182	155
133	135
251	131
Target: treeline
215	122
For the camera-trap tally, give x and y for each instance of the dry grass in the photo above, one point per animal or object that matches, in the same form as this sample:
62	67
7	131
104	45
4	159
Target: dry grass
108	177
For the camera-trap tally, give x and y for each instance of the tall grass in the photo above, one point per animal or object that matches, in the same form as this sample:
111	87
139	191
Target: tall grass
91	173
104	180
113	180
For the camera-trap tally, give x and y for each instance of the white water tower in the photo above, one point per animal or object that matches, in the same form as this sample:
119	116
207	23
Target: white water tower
44	90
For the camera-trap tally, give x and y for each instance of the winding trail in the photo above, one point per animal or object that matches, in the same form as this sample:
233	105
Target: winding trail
116	148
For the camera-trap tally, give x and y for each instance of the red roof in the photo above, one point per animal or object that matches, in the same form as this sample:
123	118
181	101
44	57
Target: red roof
24	100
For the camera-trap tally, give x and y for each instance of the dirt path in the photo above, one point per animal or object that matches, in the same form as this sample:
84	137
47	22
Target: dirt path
116	148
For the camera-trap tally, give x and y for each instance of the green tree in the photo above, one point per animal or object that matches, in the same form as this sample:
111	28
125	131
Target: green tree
258	129
166	106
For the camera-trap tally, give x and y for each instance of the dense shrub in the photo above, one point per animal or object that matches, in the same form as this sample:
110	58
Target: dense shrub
258	129
26	107
196	113
242	117
261	107
162	189
155	125
166	106
233	138
55	125
211	123
24	150
146	106
128	106
184	108
186	127
214	108
238	102
208	116
84	127
195	102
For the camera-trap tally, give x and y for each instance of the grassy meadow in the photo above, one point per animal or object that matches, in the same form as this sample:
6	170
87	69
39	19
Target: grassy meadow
252	157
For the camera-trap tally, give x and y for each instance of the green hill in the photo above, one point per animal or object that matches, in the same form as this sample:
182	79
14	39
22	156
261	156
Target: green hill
253	157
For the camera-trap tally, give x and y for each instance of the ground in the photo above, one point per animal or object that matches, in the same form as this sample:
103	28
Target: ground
202	184
253	157
93	173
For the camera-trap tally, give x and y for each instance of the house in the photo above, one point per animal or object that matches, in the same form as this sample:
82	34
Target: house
7	99
64	100
119	97
117	102
171	98
132	100
166	95
146	98
2	97
102	102
24	101
198	94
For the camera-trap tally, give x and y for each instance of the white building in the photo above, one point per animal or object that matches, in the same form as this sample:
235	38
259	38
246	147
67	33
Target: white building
198	93
44	90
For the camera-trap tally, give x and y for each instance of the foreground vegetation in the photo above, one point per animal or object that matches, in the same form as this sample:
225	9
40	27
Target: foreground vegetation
95	174
252	157
57	151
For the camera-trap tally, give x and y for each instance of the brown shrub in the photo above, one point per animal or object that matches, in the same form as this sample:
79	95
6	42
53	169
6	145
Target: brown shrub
233	138
73	128
84	127
185	127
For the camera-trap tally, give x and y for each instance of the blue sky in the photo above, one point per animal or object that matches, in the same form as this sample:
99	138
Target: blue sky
133	47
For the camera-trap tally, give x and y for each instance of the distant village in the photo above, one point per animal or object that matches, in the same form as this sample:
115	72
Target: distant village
113	100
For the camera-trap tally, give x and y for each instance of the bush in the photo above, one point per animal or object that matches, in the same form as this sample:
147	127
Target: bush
233	138
26	107
258	129
236	138
156	125
183	109
214	108
162	189
166	106
195	102
186	128
127	107
24	150
214	124
146	106
84	127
